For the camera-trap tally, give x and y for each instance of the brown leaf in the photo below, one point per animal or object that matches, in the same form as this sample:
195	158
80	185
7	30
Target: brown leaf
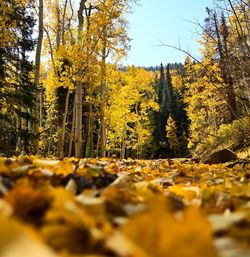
20	240
27	203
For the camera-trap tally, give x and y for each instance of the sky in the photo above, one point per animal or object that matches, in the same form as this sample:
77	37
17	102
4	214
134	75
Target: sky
156	22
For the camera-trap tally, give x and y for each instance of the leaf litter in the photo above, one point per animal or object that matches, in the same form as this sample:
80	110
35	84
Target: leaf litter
123	208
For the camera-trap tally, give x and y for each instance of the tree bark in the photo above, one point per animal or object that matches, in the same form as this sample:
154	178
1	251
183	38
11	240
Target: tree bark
123	148
89	144
63	21
37	72
78	120
62	141
72	129
103	102
78	98
58	29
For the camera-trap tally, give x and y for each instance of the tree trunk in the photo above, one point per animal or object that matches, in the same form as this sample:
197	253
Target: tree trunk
78	98
58	29
72	130
89	126
41	109
50	139
103	102
63	21
89	144
37	72
226	74
78	120
123	150
62	141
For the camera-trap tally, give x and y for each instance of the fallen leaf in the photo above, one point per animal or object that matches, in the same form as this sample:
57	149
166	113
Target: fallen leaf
160	234
222	222
19	240
28	203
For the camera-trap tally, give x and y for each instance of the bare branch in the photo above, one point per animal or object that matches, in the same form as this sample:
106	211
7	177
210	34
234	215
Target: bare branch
181	50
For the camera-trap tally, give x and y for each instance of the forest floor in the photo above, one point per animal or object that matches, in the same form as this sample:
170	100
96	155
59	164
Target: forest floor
123	208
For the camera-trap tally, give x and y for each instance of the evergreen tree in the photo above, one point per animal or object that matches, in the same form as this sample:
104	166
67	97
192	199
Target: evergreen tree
170	99
160	86
16	87
161	116
171	104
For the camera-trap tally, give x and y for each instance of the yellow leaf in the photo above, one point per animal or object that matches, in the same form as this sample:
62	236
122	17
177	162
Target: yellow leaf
19	240
3	167
147	190
160	234
45	163
65	168
188	193
28	203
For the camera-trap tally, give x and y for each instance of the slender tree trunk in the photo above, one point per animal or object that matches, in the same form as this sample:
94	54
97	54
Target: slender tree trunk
18	130
40	109
29	121
37	72
58	29
89	144
78	98
63	21
51	49
78	121
103	101
62	141
50	139
72	130
23	120
90	122
98	142
69	22
123	150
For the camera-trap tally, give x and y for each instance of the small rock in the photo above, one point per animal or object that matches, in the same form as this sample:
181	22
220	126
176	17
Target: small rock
221	156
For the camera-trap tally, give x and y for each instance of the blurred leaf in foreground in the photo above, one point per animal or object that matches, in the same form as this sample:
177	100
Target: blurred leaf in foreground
19	240
161	234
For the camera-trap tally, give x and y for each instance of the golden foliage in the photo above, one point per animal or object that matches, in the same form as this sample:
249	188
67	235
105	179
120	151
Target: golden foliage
160	234
128	111
124	208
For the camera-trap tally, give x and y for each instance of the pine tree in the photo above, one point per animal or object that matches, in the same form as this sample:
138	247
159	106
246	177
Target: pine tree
16	87
160	116
171	104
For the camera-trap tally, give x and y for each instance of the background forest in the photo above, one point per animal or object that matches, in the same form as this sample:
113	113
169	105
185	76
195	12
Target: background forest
76	99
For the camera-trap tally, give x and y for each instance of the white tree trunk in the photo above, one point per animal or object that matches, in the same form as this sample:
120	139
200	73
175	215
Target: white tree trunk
37	71
78	121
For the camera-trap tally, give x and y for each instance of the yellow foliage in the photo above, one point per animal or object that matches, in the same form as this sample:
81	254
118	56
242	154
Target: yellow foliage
177	81
147	210
160	234
128	111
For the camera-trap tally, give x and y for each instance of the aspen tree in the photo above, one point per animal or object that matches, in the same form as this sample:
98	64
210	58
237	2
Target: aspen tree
171	135
38	113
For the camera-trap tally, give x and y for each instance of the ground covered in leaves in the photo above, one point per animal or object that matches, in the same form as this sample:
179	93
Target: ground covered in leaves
123	208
